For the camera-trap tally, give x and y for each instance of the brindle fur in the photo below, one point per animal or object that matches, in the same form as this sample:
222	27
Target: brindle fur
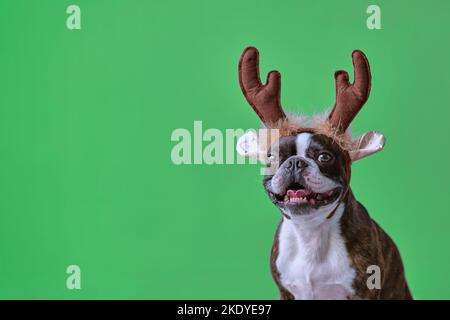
367	244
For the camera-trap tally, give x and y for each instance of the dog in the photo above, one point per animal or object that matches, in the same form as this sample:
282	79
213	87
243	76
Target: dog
326	245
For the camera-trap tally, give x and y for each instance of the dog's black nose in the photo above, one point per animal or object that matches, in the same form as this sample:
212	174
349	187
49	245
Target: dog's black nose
296	163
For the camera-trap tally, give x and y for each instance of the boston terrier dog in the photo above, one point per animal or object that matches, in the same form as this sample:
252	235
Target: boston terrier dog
326	245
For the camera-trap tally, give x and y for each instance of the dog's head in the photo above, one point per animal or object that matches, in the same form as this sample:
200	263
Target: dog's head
307	173
308	167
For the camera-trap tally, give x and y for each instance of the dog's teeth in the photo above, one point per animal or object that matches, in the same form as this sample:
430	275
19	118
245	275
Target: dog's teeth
295	200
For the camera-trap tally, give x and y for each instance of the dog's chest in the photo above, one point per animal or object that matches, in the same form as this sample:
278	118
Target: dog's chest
315	264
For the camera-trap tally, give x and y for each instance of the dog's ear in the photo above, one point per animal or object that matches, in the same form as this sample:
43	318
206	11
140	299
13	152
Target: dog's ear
250	146
367	144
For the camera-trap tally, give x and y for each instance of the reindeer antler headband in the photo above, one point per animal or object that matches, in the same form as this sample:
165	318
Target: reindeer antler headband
265	99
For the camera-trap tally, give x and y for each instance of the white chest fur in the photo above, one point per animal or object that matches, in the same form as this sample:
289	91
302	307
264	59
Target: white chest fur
313	262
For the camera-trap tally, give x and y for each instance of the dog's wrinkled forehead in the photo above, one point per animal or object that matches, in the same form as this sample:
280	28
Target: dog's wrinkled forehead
310	146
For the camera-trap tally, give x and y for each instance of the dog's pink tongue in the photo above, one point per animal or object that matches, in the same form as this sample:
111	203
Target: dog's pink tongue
301	193
297	193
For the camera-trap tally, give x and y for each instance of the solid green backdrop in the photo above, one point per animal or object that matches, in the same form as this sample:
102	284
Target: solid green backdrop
86	118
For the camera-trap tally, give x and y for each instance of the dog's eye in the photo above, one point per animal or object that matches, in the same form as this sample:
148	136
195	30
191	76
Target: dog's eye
324	157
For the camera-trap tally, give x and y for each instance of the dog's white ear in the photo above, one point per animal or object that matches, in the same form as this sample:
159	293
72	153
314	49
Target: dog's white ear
367	144
248	145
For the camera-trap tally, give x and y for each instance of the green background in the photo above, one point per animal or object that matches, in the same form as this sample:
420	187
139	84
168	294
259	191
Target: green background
86	118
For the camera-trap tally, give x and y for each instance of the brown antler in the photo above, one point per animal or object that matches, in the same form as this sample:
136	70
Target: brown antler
351	97
264	99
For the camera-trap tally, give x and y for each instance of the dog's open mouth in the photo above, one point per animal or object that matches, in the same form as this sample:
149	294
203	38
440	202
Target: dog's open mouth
298	194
